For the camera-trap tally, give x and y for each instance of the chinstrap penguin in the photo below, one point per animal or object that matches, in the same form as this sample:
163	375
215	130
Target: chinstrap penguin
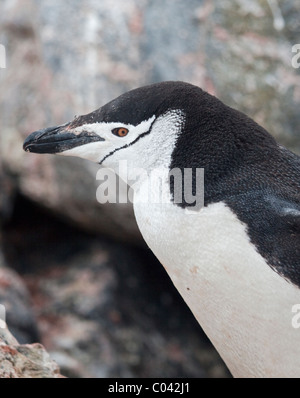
235	261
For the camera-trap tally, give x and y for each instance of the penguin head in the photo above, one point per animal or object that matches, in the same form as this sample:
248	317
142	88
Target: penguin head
172	125
141	126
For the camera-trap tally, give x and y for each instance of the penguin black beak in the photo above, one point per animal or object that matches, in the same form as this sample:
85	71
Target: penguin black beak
58	139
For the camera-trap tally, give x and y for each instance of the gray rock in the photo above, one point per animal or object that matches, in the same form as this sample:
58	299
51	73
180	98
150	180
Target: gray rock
249	55
24	360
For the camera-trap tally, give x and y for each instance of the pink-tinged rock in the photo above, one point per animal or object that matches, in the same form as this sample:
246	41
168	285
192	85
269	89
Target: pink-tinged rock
24	360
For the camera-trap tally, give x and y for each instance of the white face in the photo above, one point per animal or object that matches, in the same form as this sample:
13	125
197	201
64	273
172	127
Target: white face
98	151
147	145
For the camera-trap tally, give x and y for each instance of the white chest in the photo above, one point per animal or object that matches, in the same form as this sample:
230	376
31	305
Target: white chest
242	304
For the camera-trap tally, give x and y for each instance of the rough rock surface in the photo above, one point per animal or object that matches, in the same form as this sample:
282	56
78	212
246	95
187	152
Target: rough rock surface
24	360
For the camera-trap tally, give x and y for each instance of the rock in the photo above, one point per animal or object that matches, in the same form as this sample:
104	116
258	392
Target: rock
40	178
240	52
246	40
24	360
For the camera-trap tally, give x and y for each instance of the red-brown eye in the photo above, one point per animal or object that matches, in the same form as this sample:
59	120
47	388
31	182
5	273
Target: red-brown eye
120	131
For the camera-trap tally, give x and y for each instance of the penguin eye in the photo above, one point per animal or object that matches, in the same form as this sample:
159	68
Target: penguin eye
120	131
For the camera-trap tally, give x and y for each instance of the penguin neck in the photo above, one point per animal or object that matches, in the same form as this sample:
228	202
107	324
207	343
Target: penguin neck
224	142
151	154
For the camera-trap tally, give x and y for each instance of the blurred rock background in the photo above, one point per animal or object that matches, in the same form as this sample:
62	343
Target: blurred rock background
75	275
